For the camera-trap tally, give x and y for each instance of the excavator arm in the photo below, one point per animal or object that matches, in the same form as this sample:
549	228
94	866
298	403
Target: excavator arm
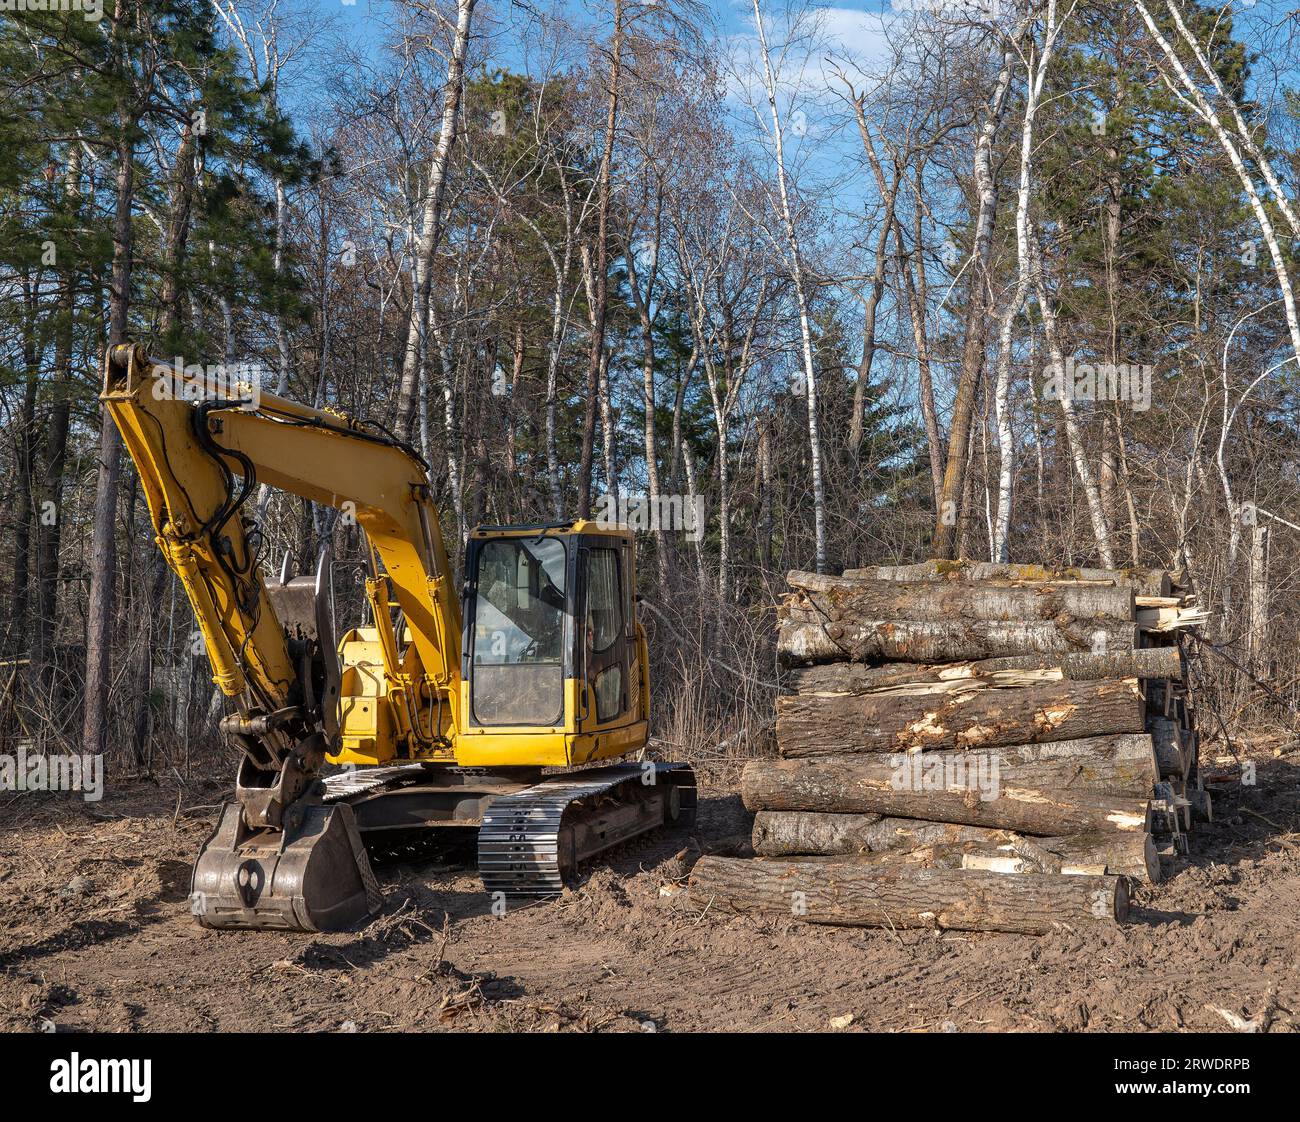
201	447
199	459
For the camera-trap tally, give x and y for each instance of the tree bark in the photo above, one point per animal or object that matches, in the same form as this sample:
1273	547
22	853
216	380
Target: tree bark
796	271
972	359
842	600
933	641
789	833
643	305
596	351
856	786
854	677
418	324
828	725
1092	496
103	574
1122	764
851	894
24	454
827	619
1257	639
912	271
1143	582
1037	73
50	522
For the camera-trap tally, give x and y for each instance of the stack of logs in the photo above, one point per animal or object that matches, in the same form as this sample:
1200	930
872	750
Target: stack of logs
971	746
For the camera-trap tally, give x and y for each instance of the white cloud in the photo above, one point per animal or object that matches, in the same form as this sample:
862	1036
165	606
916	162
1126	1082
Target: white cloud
806	50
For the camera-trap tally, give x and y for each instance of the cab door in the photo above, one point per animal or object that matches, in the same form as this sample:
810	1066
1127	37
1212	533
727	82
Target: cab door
607	635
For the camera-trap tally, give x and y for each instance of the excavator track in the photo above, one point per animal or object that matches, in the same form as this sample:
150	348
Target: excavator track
533	840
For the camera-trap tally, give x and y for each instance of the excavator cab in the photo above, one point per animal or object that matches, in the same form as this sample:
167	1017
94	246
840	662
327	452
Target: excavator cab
554	658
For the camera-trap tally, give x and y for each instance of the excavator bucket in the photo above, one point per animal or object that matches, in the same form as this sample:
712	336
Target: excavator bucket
314	876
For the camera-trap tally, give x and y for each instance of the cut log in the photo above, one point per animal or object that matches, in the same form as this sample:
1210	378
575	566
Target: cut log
1148	582
784	833
855	677
975	600
781	833
833	725
1165	620
1161	602
826	618
812	639
1124	764
852	894
860	785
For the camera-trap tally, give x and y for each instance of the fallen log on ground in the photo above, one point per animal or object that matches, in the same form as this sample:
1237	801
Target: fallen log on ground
1148	582
786	833
855	677
839	724
853	894
861	785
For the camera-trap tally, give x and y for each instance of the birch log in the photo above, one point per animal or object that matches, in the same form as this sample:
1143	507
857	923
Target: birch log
849	893
948	623
838	724
933	641
970	600
854	677
861	785
1147	582
785	833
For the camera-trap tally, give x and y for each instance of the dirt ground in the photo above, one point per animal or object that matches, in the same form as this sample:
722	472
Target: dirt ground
95	934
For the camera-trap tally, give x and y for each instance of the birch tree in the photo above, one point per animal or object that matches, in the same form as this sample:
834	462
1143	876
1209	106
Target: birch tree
418	324
1036	64
790	244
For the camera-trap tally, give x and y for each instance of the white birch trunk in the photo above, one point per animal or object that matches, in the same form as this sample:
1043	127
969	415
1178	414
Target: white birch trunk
1037	73
801	301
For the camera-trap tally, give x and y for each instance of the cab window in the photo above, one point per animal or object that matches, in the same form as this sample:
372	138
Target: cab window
604	599
519	609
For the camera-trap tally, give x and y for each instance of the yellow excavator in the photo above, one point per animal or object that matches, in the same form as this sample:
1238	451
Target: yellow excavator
445	710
